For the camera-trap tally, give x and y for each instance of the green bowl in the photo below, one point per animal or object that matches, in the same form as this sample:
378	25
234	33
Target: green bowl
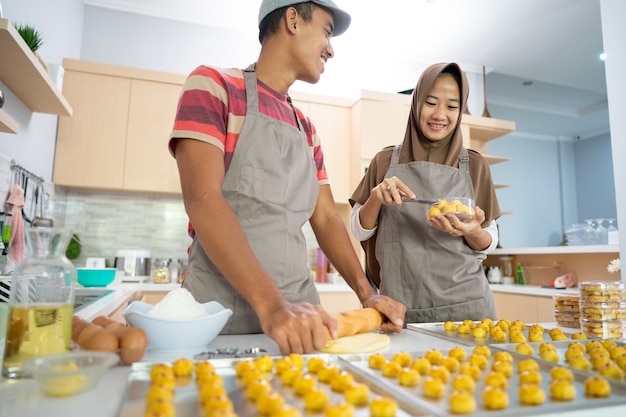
91	277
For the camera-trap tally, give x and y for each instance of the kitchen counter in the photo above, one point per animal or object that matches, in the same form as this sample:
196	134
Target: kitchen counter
23	398
530	290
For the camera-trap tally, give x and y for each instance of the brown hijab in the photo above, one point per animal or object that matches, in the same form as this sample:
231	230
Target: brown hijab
416	147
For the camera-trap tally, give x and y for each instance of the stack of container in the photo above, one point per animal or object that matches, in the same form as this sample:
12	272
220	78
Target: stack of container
566	311
603	309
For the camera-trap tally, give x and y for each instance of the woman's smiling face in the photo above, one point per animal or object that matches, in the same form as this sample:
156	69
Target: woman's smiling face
440	111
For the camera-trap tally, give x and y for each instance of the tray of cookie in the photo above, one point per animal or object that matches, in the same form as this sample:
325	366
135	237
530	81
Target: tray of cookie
488	331
284	386
602	357
484	380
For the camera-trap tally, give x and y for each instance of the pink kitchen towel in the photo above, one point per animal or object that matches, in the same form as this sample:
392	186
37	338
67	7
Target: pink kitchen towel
16	241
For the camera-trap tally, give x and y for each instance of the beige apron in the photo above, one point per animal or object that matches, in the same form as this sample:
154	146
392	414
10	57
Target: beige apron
438	276
271	185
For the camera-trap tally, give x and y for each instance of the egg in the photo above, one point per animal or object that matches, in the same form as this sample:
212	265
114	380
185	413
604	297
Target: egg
86	333
116	328
77	327
133	345
102	321
102	340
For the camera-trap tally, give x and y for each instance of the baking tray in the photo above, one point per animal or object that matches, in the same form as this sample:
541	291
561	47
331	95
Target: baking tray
186	397
437	329
413	395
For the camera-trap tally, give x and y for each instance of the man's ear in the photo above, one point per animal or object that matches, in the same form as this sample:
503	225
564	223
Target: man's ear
291	18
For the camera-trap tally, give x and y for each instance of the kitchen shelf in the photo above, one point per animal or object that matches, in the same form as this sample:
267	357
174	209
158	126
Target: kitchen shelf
500	185
7	124
21	71
485	128
492	159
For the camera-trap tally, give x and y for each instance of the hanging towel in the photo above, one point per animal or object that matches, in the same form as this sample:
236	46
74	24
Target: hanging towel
16	241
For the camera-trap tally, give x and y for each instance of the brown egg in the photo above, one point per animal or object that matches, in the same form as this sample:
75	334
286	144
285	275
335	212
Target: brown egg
86	333
117	328
102	340
133	344
103	321
78	327
77	318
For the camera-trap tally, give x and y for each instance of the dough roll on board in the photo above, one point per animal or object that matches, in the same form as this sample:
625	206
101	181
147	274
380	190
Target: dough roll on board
357	321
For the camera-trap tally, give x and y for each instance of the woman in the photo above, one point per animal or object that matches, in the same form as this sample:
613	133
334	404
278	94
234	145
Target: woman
433	266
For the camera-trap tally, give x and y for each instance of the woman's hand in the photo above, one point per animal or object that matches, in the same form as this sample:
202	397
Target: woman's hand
450	223
393	310
391	192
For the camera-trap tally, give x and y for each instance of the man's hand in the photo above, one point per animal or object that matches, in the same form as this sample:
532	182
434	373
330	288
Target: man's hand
390	308
298	327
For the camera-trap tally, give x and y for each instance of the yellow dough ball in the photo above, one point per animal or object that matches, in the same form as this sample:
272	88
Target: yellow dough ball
561	372
165	381
340	410
537	328
503	367
504	324
217	403
376	361
251	376
182	367
487	321
496	379
531	394
554	332
303	384
341	381
469	323
598	361
530	377
525	349
580	362
621	361
403	358
517	324
159	395
517	337
463	382
482	350
209	380
391	369
244	367
161	369
326	372
527	365
287	411
495	398
612	370
265	363
282	364
579	336
449	326
562	390
617	351
316	399
559	336
470	369
160	410
478	360
546	346
597	386
452	364
257	388
498	335
440	372
383	407
479	332
434	356
503	357
297	360
550	355
459	353
433	388
409	377
462	402
535	336
270	403
593	344
421	365
572	353
609	343
357	394
463	329
204	367
290	374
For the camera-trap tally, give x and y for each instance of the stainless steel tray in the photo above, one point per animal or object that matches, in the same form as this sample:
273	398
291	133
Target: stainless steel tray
440	407
186	398
467	339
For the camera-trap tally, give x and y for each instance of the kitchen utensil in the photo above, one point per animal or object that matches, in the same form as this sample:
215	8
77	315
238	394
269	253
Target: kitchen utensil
135	263
39	219
420	200
92	277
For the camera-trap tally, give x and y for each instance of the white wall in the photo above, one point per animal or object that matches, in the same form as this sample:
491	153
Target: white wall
614	33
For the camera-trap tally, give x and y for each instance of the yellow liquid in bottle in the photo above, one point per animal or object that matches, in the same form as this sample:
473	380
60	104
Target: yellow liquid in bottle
34	331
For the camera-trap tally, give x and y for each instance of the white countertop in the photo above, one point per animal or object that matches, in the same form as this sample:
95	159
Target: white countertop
530	290
546	250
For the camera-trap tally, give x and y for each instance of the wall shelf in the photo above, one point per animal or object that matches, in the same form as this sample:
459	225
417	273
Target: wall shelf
7	124
21	71
492	159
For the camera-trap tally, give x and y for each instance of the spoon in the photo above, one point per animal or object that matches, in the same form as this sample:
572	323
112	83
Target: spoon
421	200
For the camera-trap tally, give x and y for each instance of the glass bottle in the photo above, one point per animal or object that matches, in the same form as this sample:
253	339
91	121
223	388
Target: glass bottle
161	271
41	301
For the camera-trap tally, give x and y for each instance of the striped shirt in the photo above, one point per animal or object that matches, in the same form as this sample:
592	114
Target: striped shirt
212	108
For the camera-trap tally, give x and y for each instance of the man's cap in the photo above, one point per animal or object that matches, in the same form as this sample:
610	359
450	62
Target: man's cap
341	18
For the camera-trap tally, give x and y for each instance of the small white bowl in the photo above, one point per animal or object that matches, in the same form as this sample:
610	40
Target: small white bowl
177	335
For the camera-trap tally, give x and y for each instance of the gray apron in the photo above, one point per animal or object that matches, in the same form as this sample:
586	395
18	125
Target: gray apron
271	185
438	276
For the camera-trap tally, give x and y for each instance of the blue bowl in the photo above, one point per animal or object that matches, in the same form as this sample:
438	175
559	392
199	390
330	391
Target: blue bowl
91	277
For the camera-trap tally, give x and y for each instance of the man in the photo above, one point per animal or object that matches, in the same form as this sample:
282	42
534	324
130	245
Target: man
252	174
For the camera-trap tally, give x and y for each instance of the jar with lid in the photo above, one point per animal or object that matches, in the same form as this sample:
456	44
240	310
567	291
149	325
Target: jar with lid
161	271
182	270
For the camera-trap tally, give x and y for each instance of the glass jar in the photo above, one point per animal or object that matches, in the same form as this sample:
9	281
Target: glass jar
41	301
182	270
161	271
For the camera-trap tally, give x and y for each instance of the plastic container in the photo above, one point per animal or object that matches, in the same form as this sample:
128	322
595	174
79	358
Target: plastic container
95	277
161	271
567	318
613	310
602	291
462	207
603	329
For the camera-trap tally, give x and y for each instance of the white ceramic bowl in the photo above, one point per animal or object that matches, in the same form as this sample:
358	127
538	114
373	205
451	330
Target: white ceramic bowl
176	335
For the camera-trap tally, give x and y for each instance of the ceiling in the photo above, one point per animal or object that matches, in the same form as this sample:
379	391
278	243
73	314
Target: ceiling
553	44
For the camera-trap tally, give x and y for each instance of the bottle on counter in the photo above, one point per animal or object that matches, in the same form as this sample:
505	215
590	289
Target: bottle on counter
520	275
182	270
161	271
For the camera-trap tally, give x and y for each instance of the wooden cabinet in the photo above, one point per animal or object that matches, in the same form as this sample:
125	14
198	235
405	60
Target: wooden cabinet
527	308
331	118
117	139
22	72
